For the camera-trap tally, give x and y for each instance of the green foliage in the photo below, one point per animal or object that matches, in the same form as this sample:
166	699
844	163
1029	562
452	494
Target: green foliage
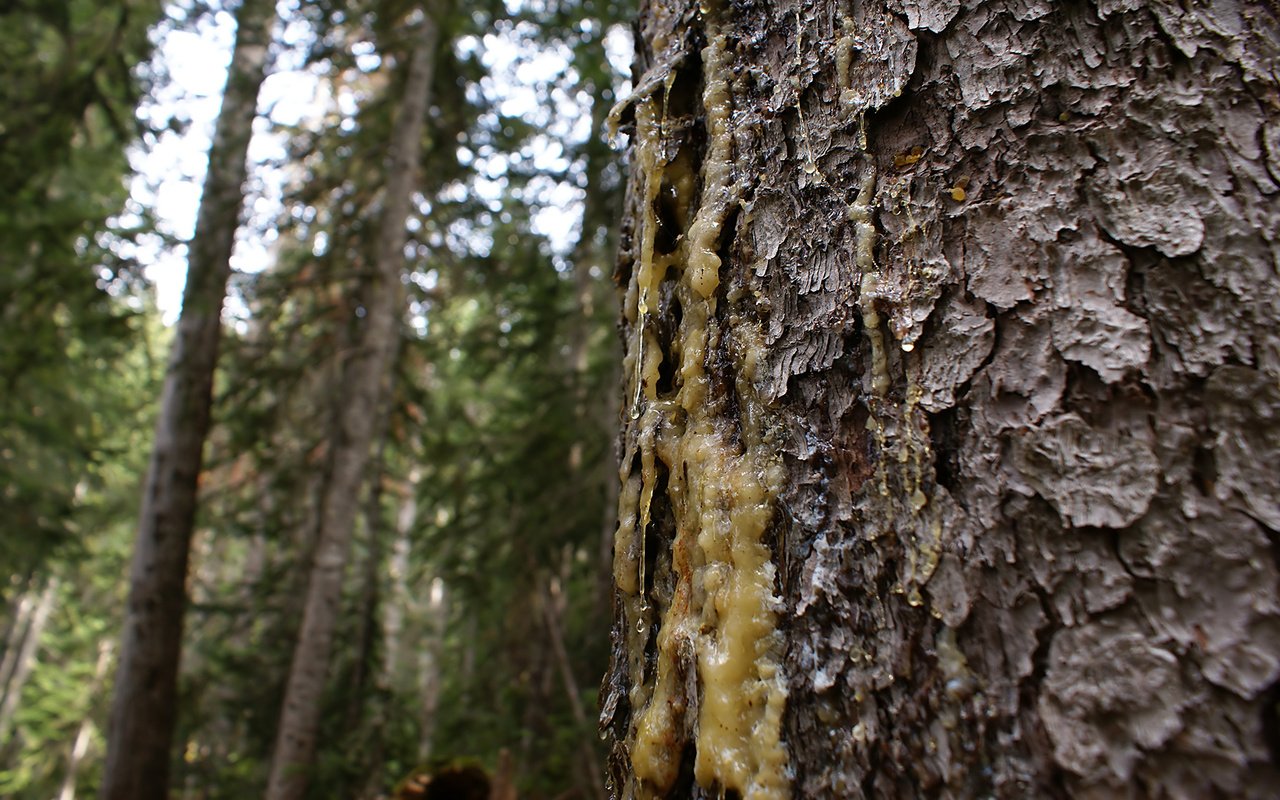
498	435
66	685
66	111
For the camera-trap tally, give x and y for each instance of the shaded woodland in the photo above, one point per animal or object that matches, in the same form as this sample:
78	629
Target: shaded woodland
445	503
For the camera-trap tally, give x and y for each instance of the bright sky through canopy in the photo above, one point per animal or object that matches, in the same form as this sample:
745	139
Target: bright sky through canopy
172	170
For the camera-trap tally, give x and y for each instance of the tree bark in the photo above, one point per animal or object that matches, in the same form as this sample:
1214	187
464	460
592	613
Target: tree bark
597	242
365	380
393	612
408	670
25	650
143	709
370	585
952	378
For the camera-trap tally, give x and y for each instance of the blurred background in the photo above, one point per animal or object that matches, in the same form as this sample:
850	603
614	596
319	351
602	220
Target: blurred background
471	631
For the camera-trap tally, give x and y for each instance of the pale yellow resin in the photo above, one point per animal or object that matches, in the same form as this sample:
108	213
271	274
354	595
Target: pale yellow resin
912	446
721	618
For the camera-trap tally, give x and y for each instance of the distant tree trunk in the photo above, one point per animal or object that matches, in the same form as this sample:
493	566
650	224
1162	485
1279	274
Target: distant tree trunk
592	253
24	652
144	707
504	786
587	767
366	673
429	675
953	380
84	731
393	612
365	380
417	667
16	632
370	583
531	663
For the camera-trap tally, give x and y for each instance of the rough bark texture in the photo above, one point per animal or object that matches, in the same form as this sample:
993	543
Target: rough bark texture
143	708
365	381
998	292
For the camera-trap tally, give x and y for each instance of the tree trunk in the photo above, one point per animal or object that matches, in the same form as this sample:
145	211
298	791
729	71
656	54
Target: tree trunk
388	675
952	378
16	633
429	672
365	380
597	242
530	661
416	667
143	709
84	731
587	762
370	581
25	650
393	612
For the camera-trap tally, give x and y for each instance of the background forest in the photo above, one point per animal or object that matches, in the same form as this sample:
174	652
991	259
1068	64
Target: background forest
475	586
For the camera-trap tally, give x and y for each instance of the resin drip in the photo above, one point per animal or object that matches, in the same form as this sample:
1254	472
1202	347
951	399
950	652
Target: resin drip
895	428
864	260
642	362
722	477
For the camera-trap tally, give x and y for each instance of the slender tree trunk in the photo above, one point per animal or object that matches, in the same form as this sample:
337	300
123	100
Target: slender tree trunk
429	676
504	778
393	613
143	712
953	379
84	732
597	242
588	763
371	602
397	670
366	378
17	633
370	594
531	660
597	238
25	656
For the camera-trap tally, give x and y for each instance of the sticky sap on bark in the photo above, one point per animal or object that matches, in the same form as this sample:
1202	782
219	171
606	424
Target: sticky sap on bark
717	171
896	428
720	620
864	261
